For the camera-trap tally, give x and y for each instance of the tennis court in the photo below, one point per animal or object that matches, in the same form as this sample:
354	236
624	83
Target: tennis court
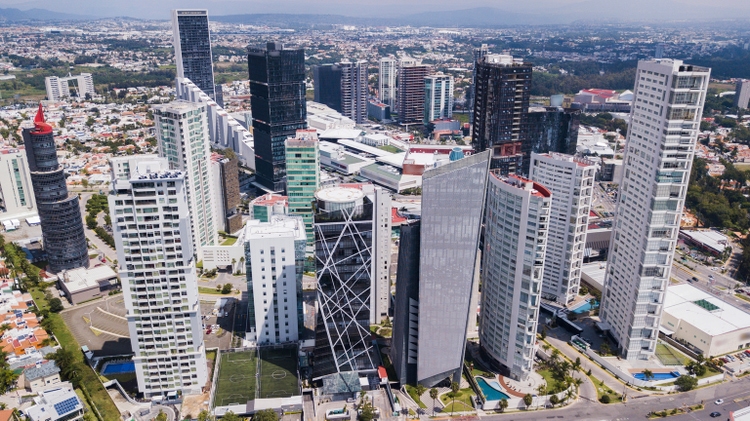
668	356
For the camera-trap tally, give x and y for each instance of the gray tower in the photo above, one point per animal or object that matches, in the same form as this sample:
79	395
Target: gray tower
192	49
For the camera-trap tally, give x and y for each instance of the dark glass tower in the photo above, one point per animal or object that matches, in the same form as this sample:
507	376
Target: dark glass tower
277	98
552	129
501	103
192	49
327	81
60	214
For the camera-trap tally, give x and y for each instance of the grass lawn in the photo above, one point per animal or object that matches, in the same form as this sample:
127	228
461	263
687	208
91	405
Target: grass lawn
709	372
237	381
603	389
390	148
553	386
229	241
742	296
413	393
207	290
463	401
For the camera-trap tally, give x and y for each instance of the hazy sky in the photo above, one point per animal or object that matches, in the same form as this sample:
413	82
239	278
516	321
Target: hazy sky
580	9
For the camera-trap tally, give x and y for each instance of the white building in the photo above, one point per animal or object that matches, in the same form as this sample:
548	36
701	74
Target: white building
182	133
274	254
57	404
742	94
665	119
58	88
517	214
152	230
387	81
354	90
571	180
16	191
438	94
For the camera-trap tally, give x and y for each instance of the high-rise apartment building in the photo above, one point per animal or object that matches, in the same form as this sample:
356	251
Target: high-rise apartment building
742	94
182	134
303	177
151	225
553	129
226	191
438	94
277	97
387	81
354	90
571	181
16	191
479	54
411	95
58	88
274	256
192	48
515	239
60	213
436	278
664	125
501	103
327	83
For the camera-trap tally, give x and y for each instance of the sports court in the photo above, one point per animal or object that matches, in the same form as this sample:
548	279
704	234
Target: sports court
278	372
237	381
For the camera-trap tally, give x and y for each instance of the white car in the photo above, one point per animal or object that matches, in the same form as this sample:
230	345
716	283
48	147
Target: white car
719	401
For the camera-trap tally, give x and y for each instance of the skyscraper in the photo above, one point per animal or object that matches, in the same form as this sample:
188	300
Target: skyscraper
436	273
354	90
742	94
303	177
277	97
226	192
327	82
182	134
438	93
387	81
60	213
192	48
479	54
515	237
151	225
571	180
16	190
664	124
411	91
503	88
553	129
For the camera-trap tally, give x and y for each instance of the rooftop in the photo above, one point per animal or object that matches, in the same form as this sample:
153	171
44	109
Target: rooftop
279	226
704	311
524	183
82	279
339	194
42	370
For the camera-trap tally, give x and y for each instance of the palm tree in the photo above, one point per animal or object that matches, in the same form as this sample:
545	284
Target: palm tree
502	404
420	389
433	395
542	390
555	355
648	374
569	395
455	387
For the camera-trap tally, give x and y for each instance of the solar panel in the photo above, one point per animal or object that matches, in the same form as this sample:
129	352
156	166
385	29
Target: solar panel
68	405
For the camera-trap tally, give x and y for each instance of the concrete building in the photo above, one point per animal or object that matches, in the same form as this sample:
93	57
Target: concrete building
42	375
303	179
263	207
60	404
479	54
378	111
437	277
742	94
438	93
570	180
274	255
354	90
337	158
58	88
226	191
192	49
155	252
411	92
59	212
517	217
84	284
16	192
182	133
387	81
650	201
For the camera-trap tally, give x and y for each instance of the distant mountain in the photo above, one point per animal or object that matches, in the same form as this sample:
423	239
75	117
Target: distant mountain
297	20
15	15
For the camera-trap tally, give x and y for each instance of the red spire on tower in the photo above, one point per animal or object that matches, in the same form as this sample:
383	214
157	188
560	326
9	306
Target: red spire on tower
39	115
40	124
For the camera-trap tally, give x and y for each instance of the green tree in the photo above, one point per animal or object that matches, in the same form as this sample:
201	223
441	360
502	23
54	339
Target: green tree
604	349
204	416
266	415
648	374
503	404
686	382
528	399
227	288
605	399
56	305
420	389
161	416
554	400
231	416
366	411
455	387
433	395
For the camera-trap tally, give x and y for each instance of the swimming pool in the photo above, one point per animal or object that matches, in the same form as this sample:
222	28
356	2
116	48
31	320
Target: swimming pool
587	306
658	376
117	368
491	390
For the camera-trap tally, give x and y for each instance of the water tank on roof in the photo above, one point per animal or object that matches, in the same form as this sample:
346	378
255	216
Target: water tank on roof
456	154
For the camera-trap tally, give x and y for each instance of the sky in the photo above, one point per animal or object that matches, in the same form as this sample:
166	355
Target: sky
567	9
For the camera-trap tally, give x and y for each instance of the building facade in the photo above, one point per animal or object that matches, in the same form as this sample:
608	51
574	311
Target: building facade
303	177
387	81
411	94
274	256
515	239
354	90
501	103
553	129
438	97
277	97
658	159
226	191
59	213
436	276
479	54
151	225
182	135
192	48
742	94
327	82
16	191
58	88
571	181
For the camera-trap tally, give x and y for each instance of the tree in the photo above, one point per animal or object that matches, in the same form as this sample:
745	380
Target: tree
231	416
266	415
686	382
161	416
227	288
433	395
554	400
648	374
503	404
604	349
420	389
204	416
455	387
605	398
55	305
543	333
366	411
528	399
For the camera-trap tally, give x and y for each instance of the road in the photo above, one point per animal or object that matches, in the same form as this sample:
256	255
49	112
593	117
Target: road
602	201
723	286
108	251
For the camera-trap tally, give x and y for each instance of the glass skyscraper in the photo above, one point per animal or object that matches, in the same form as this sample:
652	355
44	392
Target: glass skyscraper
303	179
192	49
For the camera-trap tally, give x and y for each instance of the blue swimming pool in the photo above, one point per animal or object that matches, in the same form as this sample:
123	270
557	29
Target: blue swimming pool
658	376
491	390
117	368
587	306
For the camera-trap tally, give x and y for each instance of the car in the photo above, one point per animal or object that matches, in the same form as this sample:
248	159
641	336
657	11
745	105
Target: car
715	414
719	401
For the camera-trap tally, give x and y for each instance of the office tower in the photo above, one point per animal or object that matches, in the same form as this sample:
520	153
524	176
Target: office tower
59	213
16	191
411	91
327	82
192	48
151	225
354	90
303	178
263	207
274	255
436	273
58	88
438	93
182	133
515	236
500	124
277	97
742	94
664	124
571	180
479	54
226	192
553	129
344	225
387	81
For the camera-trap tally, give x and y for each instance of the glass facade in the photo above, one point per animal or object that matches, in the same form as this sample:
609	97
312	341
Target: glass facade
192	42
302	166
